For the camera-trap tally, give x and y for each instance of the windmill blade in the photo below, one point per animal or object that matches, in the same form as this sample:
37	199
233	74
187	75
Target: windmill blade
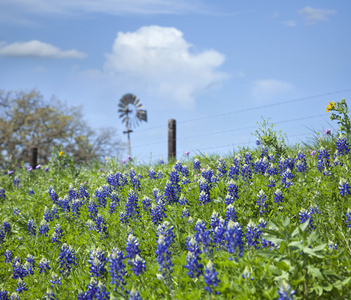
141	115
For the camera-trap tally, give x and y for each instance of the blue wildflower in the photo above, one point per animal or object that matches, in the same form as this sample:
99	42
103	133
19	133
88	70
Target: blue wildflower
132	247
21	286
246	172
76	204
44	228
146	203
114	202
8	256
271	181
262	202
117	269
323	160
285	293
83	193
197	164
138	265
100	226
101	292
97	261
57	234
53	195
344	187
348	216
134	295
67	259
31	228
185	213
202	235
92	208
287	177
221	167
183	200
210	278
278	196
342	146
19	271
132	208
233	236
44	266
55	279
252	235
193	265
2	194
16	182
164	256
152	173
230	213
157	212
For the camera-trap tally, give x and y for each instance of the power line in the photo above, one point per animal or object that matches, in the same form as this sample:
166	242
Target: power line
231	130
250	109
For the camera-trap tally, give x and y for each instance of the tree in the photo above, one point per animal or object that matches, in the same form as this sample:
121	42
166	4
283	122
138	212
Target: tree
27	120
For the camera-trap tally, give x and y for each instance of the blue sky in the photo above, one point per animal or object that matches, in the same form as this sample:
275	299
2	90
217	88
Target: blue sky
214	66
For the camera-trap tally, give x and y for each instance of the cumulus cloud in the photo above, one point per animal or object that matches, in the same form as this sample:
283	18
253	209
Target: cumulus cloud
270	88
38	49
160	60
290	23
313	15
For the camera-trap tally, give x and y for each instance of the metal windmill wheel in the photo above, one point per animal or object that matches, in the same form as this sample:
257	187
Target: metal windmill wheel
131	112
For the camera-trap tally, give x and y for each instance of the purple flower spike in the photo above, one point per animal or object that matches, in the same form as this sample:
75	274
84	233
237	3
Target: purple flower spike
38	166
313	152
10	172
327	131
187	153
29	169
46	169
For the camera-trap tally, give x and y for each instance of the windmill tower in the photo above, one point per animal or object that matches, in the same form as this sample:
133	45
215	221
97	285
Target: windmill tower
131	112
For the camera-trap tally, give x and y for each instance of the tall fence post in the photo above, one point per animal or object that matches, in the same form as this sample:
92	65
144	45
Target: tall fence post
33	157
171	139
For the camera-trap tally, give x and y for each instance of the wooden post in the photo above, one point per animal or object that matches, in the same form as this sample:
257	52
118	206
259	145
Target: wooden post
33	157
171	139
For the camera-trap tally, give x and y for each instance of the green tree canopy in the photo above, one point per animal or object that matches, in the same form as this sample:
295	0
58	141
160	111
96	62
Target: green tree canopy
26	120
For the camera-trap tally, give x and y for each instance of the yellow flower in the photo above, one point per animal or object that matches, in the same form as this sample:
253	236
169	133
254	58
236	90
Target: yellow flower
331	106
60	153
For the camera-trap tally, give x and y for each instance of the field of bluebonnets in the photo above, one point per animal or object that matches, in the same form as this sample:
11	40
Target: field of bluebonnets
266	223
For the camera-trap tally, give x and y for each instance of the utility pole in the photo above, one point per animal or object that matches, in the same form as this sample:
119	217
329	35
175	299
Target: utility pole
171	139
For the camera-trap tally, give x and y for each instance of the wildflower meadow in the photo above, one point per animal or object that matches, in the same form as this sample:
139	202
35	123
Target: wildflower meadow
272	222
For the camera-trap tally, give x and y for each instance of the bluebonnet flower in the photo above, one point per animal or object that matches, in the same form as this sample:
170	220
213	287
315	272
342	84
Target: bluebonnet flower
214	220
67	259
146	203
57	234
31	192
278	196
83	193
21	286
305	215
210	278
252	235
285	293
285	163
348	216
132	208
152	173
323	159
161	162
344	187
97	262
134	295
332	245
44	266
135	180
336	160
204	185
185	171
272	170
159	174
246	274
6	226
54	211
287	177
2	236
157	212
90	224
123	218
164	254
76	204
101	196
233	236
138	265
271	181
258	142
47	214
8	256
91	292
101	292
185	213
14	296
53	195
16	182
43	228
300	162
262	202
132	247
31	228
29	267
204	198
4	295
55	279
100	226
16	211
183	200
72	192
192	245
49	295
193	265
117	269
246	172
19	271
64	203
218	232
233	190
172	188
221	167
185	181
207	174
202	235
342	146
230	213
167	230
178	166
248	159
2	194
92	209
234	170
114	202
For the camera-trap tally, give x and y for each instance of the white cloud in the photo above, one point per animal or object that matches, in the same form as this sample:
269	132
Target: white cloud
38	49
290	23
159	60
313	15
270	88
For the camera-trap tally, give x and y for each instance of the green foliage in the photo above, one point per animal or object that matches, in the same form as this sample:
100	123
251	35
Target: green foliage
341	114
270	138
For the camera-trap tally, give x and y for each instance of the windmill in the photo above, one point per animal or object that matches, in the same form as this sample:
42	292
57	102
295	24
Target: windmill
131	112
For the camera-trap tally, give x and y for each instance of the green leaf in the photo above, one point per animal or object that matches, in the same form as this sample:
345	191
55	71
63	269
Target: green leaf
296	244
270	254
304	225
273	239
311	252
319	247
315	272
